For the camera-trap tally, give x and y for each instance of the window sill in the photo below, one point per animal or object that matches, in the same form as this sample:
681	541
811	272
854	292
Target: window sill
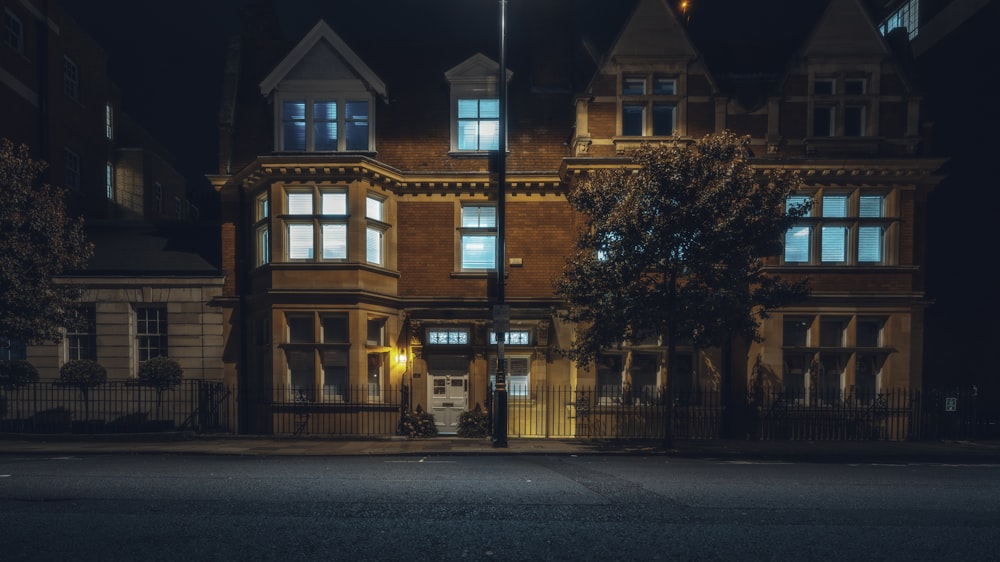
480	274
473	153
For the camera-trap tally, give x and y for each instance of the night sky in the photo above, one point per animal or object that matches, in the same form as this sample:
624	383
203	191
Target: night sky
167	58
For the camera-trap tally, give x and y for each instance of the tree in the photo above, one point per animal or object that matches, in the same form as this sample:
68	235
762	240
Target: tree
83	374
673	248
161	373
39	241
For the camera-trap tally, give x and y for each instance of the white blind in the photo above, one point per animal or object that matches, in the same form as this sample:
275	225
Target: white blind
300	203
333	203
334	241
300	241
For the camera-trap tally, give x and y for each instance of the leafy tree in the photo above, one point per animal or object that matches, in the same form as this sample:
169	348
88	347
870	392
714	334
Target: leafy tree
672	249
83	374
161	373
38	242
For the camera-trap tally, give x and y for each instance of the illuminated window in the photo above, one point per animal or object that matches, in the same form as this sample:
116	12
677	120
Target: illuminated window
517	372
478	237
448	337
851	230
906	16
475	105
515	337
478	124
375	231
310	124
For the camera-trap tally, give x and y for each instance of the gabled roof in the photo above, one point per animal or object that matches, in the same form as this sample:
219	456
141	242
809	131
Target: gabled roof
828	40
653	31
322	39
474	69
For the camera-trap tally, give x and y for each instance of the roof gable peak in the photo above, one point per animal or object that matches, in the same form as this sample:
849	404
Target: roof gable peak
844	30
321	33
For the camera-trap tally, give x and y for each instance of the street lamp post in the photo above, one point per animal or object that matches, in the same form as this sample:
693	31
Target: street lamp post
501	314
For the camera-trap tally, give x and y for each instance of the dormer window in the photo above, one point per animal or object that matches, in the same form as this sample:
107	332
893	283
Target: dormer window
323	96
840	106
648	105
324	125
475	106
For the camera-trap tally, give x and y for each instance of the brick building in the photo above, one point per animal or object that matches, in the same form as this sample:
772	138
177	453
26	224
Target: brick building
358	195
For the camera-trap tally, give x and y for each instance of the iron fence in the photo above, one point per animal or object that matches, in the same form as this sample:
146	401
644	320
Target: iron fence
704	414
365	410
116	407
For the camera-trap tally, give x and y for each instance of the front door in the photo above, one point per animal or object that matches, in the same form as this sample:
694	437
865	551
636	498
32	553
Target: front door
449	397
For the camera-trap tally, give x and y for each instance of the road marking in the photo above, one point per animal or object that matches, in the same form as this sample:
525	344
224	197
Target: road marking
422	460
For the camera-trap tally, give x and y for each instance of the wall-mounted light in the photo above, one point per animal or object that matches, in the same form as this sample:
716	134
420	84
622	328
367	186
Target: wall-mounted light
401	359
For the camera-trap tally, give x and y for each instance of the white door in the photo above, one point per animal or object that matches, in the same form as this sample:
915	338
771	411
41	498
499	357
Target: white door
449	397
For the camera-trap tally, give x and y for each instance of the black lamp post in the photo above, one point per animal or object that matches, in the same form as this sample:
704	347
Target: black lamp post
501	314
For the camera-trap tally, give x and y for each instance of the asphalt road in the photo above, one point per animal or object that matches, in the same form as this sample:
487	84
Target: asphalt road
204	507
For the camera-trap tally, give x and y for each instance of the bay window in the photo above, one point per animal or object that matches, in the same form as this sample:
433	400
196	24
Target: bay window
850	230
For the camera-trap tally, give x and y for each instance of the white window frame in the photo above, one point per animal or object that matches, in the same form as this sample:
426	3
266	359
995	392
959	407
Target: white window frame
13	34
326	213
906	16
151	343
82	343
476	228
480	84
339	92
448	336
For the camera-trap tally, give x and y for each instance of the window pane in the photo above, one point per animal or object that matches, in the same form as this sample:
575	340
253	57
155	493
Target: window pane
263	246
663	119
333	203
797	200
831	333
335	328
633	85
797	244
374	246
325	125
325	136
478	252
468	135
834	244
373	208
796	332
834	205
479	217
489	135
869	333
300	203
293	116
823	87
334	241
300	328
489	108
870	206
633	117
823	121
300	241
356	125
854	121
468	109
665	86
870	244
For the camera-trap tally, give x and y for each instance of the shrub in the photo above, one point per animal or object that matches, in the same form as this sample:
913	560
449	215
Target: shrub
16	373
418	424
474	423
160	372
82	373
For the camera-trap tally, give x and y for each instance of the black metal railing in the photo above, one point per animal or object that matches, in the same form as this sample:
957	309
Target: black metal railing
116	407
365	410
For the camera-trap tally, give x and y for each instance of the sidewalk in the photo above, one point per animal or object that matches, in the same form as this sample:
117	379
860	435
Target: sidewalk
979	452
